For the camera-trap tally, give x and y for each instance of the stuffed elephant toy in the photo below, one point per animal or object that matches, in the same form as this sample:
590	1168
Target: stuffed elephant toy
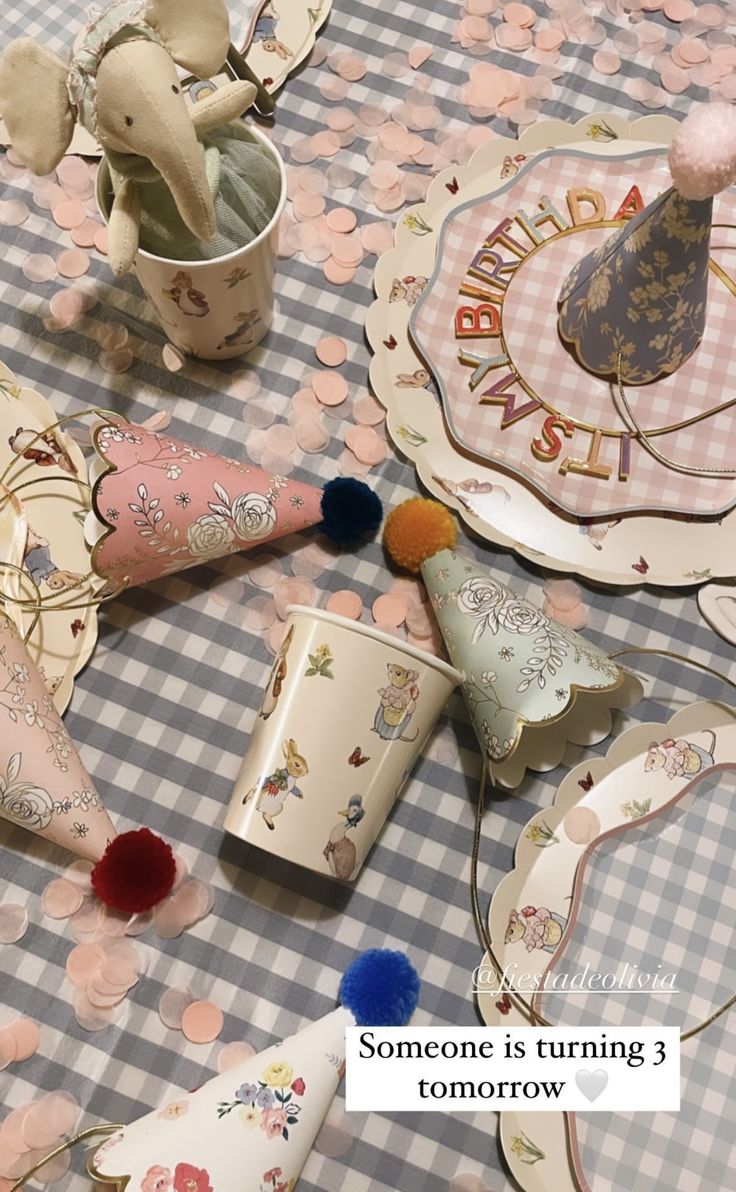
164	157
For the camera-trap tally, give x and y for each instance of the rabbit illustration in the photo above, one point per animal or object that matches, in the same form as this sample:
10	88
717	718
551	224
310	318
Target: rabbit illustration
42	568
416	380
339	852
407	289
398	703
276	681
190	301
679	759
274	790
265	31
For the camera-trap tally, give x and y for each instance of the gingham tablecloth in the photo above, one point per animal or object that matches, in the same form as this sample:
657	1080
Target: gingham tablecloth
163	711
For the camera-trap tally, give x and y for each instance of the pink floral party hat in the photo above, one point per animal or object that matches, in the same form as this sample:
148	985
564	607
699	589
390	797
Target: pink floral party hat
45	789
160	505
43	785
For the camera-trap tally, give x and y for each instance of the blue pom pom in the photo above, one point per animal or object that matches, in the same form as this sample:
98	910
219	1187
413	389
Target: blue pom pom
380	988
350	510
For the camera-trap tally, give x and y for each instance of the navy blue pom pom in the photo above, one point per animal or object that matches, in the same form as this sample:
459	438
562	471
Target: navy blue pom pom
380	988
350	510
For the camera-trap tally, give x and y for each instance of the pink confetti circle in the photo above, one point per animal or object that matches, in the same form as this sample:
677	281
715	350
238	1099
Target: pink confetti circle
275	636
202	1022
419	622
84	235
13	212
266	572
259	613
330	388
83	962
311	434
606	62
345	603
13	922
39	267
390	609
101	240
337	274
61	899
55	1169
582	825
331	351
368	412
27	1036
69	213
467	1182
172	1004
336	1134
172	358
74	173
117	361
73	262
341	219
293	590
232	1054
377	237
366	445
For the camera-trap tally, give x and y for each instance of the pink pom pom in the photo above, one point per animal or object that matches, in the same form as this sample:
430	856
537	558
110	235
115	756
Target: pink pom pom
703	153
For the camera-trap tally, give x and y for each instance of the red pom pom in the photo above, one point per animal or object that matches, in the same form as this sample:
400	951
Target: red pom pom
136	871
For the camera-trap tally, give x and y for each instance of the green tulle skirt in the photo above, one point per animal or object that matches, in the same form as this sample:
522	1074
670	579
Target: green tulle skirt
246	186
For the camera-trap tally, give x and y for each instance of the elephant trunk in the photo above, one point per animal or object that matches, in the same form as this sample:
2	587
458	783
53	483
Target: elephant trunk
182	167
142	111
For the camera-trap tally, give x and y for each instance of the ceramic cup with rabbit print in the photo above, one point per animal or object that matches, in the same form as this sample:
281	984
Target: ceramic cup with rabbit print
346	712
218	308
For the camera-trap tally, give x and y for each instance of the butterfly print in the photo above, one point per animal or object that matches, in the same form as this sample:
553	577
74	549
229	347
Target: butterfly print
452	186
505	1004
357	758
77	627
587	782
642	566
390	343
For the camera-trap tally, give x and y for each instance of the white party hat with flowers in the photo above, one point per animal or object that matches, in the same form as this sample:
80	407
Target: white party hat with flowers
251	1129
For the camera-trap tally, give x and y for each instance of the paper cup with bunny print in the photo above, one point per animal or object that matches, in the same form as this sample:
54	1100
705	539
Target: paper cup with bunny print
218	308
346	712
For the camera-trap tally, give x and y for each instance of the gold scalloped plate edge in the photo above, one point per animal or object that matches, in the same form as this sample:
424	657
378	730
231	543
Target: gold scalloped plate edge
547	1131
86	639
410	439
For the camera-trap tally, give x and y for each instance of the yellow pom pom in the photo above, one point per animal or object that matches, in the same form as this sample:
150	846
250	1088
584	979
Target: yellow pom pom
417	530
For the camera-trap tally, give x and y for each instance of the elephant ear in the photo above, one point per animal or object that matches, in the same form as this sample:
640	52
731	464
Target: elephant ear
35	105
195	32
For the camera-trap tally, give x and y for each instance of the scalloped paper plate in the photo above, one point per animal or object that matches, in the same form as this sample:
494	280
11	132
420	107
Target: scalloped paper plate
655	761
501	507
277	36
42	532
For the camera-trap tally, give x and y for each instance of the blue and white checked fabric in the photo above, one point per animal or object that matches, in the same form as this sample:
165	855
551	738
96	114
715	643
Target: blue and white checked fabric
693	1150
163	711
